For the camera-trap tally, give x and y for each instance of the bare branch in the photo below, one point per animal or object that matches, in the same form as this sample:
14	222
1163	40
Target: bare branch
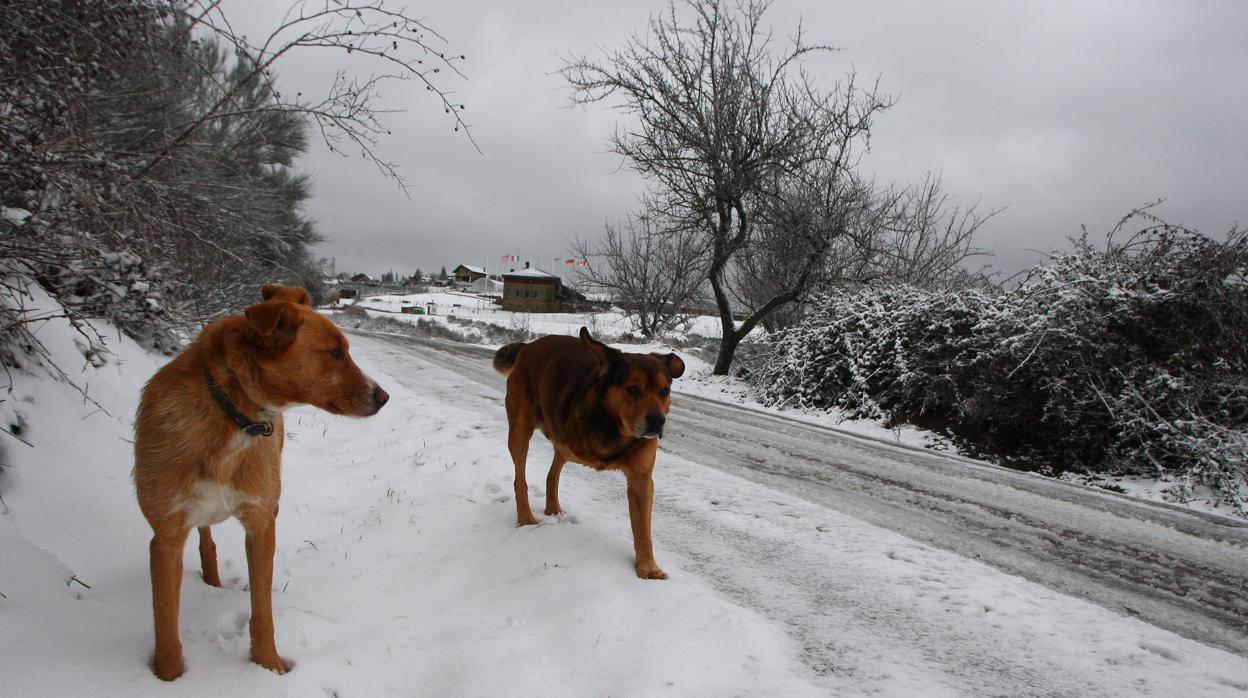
409	47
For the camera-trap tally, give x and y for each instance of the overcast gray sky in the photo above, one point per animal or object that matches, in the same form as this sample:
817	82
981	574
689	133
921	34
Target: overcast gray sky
1068	113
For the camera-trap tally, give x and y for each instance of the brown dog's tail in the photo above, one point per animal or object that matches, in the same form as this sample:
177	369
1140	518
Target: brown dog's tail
505	358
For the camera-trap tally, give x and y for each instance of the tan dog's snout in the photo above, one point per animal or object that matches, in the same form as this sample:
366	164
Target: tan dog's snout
362	403
379	399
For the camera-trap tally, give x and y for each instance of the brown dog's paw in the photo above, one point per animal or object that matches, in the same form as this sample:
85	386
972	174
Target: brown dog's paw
525	521
167	668
553	510
650	570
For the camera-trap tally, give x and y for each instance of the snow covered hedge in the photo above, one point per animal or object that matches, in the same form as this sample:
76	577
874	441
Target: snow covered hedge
1128	359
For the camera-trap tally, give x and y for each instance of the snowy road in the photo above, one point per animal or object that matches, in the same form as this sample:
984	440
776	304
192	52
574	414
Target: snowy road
1183	571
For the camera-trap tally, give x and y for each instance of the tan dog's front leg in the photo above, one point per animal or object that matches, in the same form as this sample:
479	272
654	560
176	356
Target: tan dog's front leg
166	568
640	500
261	544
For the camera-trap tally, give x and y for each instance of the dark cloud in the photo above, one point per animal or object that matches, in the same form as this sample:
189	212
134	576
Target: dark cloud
1070	113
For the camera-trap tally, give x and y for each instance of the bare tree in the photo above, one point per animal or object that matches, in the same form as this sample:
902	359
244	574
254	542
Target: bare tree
920	237
820	214
653	267
862	234
724	116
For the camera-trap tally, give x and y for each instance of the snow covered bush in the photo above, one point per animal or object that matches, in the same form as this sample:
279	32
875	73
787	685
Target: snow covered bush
885	352
53	173
107	204
1128	359
147	153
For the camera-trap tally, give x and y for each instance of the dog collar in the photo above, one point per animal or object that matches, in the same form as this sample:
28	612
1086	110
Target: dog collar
249	427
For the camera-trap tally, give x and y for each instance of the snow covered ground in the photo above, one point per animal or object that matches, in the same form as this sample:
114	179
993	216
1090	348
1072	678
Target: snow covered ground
399	569
699	381
399	572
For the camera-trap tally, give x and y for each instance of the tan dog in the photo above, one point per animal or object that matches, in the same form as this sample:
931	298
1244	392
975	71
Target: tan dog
599	407
208	445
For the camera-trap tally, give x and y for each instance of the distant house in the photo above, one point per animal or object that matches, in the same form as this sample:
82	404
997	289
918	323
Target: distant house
466	274
531	290
572	300
363	285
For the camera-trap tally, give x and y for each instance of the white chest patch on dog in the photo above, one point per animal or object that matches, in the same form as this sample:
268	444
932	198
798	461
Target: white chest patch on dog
211	502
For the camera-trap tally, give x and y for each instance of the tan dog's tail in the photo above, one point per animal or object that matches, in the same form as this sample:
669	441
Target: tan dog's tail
505	358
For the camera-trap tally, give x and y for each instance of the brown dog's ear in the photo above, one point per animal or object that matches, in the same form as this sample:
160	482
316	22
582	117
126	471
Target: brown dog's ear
294	294
675	366
604	353
275	322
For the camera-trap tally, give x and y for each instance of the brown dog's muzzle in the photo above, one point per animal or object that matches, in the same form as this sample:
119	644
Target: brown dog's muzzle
653	427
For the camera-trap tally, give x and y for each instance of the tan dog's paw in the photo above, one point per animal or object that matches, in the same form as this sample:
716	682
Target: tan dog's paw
273	663
650	570
167	668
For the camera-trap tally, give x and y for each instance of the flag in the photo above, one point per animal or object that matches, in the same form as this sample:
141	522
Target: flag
509	258
582	262
569	261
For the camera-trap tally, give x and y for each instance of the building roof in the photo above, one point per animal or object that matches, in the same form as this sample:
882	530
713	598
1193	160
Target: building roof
469	267
532	273
487	285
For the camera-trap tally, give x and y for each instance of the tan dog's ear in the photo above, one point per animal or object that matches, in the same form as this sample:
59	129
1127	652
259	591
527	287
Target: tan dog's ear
675	366
275	322
604	353
294	294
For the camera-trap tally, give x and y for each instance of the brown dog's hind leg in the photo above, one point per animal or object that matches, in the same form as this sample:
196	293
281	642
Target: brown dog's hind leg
552	485
518	444
640	501
166	569
261	544
208	557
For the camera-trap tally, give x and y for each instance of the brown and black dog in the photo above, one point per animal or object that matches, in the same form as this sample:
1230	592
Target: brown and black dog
599	407
208	445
